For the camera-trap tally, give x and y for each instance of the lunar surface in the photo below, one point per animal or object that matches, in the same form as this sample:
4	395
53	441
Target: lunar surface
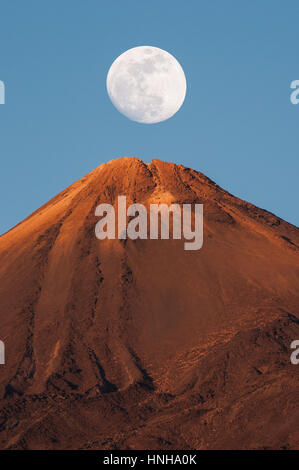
146	84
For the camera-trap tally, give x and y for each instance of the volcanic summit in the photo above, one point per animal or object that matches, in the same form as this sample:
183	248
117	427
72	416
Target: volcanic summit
139	344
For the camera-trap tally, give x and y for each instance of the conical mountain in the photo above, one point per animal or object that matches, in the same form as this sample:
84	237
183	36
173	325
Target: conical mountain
140	343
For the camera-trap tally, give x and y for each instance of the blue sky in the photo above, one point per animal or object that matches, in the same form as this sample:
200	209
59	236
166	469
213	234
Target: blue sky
237	124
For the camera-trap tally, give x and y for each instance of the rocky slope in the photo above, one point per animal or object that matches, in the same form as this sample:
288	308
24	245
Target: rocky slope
121	344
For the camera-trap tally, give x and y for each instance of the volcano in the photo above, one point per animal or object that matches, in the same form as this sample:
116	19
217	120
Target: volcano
139	344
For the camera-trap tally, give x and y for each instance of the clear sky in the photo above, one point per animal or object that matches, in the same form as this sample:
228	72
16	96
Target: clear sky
237	124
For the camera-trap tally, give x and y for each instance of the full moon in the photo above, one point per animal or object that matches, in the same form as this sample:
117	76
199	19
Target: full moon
146	84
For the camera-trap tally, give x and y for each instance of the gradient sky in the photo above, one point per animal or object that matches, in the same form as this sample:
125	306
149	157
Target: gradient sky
237	124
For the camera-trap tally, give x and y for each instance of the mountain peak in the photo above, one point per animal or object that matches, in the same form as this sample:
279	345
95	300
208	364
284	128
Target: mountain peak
110	329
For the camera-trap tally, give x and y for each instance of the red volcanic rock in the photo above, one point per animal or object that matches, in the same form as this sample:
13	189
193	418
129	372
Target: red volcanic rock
122	344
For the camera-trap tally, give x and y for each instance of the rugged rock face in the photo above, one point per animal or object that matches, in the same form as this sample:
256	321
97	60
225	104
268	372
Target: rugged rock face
122	344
